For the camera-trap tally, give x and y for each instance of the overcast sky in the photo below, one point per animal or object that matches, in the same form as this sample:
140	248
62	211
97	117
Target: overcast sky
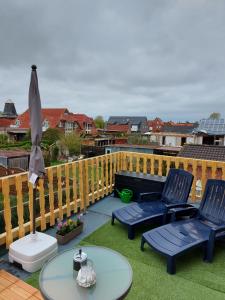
116	57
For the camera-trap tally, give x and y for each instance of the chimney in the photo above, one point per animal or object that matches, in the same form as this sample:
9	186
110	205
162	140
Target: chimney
9	110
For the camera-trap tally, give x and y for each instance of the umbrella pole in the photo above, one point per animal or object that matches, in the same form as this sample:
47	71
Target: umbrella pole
34	206
34	209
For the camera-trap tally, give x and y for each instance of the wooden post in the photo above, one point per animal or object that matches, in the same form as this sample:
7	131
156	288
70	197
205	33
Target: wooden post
67	175
51	196
7	211
42	203
19	205
59	177
74	172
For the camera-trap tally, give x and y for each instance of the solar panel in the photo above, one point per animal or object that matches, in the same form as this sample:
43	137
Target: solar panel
212	126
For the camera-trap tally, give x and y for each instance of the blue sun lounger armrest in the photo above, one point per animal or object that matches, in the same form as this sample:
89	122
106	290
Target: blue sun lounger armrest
188	210
171	208
150	196
177	205
215	231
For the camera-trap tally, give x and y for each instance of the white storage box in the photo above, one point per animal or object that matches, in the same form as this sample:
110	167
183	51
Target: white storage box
33	250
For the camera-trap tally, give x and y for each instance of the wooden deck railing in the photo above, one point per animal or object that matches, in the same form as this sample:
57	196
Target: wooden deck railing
72	187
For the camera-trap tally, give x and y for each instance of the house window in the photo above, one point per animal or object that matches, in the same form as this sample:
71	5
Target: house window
17	124
45	125
134	128
88	128
164	140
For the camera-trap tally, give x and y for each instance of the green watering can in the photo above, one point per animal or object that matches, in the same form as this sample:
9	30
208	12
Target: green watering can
125	195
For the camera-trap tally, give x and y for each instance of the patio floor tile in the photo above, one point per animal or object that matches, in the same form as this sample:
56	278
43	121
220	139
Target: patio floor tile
12	288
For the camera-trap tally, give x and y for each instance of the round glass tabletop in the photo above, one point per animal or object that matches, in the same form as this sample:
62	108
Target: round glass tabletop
57	279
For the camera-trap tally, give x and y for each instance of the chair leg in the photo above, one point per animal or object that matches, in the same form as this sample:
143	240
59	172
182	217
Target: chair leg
131	233
113	219
171	265
210	251
142	244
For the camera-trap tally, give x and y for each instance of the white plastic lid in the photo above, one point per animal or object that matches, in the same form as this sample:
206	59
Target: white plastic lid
80	258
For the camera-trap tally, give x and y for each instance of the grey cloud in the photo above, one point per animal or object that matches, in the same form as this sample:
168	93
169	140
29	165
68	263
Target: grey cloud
154	58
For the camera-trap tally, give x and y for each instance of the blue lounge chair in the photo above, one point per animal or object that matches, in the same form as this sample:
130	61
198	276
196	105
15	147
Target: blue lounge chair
206	225
155	206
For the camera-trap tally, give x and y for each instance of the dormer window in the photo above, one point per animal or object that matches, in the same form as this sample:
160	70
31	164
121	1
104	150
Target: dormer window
60	124
45	125
17	124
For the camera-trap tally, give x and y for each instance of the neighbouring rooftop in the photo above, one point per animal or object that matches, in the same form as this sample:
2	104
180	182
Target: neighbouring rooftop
13	153
211	127
208	152
181	129
126	119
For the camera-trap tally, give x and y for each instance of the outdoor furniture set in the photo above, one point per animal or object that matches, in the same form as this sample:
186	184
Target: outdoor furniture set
183	226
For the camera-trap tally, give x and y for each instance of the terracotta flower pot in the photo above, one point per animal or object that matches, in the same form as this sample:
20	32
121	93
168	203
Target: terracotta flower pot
63	239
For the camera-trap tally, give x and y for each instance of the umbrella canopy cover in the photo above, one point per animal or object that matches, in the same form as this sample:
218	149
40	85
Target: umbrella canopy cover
36	166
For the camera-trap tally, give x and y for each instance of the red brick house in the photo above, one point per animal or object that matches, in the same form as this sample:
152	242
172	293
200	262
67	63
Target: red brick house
155	125
59	118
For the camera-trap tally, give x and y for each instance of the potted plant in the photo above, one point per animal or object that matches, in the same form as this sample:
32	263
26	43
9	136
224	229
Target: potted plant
68	230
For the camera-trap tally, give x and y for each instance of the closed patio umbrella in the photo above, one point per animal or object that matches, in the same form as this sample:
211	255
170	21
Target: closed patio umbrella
33	250
36	165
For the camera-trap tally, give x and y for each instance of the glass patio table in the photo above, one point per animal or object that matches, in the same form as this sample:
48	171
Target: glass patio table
114	274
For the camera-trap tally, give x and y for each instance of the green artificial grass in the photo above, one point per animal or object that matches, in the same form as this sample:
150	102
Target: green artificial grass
194	279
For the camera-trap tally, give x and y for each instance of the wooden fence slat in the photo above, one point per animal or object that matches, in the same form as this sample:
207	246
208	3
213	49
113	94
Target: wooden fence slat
123	160
42	203
7	211
168	162
102	176
31	195
97	177
59	177
120	161
86	177
213	166
145	164
160	166
19	205
81	185
223	171
51	196
117	161
74	176
114	167
138	164
203	177
177	163
194	172
130	157
67	179
107	173
185	164
110	172
92	180
152	172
